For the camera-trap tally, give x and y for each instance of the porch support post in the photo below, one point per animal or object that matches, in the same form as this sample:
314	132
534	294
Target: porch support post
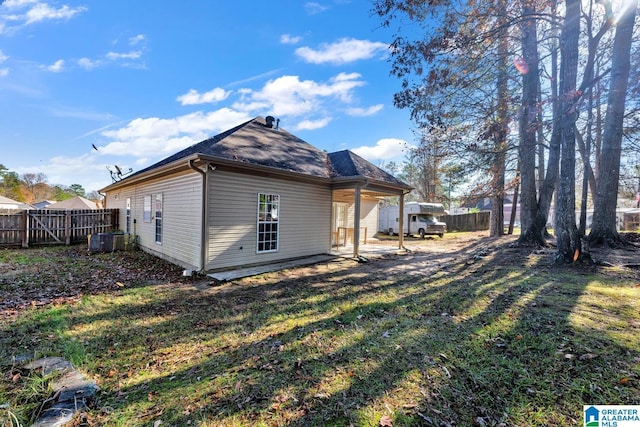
401	222
356	222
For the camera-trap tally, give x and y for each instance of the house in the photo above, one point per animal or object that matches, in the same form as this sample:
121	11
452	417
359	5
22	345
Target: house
74	203
254	194
10	204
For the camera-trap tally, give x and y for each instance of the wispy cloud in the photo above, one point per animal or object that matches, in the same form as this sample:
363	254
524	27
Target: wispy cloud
385	149
254	78
313	124
88	64
288	95
78	113
343	51
289	39
115	56
56	67
156	137
4	72
364	112
306	105
22	13
314	8
193	97
128	57
136	40
17	4
42	12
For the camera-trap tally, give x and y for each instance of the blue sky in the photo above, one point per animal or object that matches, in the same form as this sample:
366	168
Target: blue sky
140	80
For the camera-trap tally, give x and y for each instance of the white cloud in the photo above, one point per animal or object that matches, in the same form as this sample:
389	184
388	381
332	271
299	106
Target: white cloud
153	137
343	51
3	57
315	8
4	72
306	104
42	11
88	64
134	54
193	97
313	124
56	67
127	59
17	4
288	95
133	41
289	39
385	149
363	112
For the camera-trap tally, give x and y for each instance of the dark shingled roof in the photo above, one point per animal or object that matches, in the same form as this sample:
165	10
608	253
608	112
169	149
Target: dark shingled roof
347	164
256	144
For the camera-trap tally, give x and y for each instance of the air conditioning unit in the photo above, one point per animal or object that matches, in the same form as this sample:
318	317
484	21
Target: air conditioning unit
101	242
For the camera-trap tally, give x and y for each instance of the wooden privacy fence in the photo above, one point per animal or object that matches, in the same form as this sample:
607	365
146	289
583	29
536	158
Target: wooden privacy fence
53	227
467	222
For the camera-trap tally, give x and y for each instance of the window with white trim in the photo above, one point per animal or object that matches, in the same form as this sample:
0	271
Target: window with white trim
146	210
158	218
128	216
268	222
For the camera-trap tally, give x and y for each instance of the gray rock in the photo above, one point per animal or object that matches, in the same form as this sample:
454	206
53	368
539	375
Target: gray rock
74	386
57	416
48	365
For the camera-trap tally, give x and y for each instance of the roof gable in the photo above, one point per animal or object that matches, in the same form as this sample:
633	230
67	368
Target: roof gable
77	202
348	164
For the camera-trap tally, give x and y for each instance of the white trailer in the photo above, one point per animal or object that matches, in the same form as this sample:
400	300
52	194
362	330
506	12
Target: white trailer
420	219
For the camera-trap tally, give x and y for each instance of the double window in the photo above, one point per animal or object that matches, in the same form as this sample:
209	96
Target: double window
268	222
156	218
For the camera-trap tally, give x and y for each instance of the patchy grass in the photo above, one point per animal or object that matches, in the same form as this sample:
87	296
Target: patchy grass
486	340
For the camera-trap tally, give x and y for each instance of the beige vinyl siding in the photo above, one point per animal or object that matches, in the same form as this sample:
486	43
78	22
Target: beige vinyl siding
304	223
369	217
182	215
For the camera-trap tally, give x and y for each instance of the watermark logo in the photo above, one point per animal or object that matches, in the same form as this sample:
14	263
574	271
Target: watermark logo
611	415
591	417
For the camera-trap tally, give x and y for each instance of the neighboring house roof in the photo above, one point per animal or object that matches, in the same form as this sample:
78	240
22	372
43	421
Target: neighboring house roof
7	203
77	202
42	204
254	143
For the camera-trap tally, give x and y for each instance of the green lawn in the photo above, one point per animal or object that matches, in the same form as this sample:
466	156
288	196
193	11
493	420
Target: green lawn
481	342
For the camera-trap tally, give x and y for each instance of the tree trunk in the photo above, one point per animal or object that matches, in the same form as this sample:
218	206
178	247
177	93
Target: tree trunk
538	229
604	215
567	236
529	126
500	135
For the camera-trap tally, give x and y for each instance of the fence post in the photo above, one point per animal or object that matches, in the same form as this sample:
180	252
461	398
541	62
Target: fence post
25	229
67	227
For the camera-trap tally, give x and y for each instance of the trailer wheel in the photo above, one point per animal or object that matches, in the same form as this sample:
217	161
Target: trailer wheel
390	232
441	235
422	233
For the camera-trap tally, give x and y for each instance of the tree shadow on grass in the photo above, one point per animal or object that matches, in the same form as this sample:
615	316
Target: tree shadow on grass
455	345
